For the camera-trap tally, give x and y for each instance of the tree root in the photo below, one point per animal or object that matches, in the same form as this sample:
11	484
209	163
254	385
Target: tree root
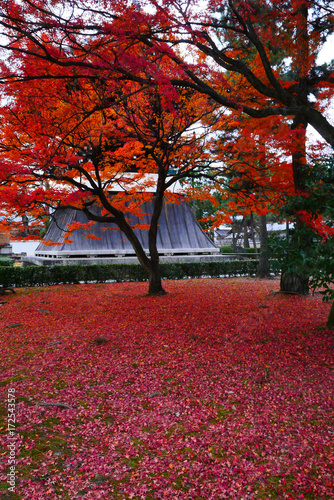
288	293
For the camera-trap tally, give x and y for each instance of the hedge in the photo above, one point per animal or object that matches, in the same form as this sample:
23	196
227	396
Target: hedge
6	262
53	275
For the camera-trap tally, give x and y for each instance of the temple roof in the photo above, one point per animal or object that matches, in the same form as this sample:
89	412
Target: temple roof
178	233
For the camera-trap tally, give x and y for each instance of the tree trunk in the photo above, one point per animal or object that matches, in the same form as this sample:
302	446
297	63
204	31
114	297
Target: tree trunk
253	231
263	271
292	282
234	241
154	275
298	280
237	234
155	283
330	320
151	265
246	240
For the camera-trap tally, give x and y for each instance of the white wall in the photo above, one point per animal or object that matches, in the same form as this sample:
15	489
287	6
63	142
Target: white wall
28	247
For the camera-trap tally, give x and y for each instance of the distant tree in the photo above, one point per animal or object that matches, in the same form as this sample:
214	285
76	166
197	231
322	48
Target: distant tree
257	173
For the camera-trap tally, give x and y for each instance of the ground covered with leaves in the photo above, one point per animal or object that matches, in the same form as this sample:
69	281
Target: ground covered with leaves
222	389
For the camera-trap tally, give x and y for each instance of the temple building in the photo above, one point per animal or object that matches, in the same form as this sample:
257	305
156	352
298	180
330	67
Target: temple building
180	238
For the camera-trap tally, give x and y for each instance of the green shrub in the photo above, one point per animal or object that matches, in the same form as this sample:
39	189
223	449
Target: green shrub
274	265
226	249
6	262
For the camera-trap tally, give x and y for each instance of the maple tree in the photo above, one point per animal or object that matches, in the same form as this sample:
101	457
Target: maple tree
246	40
228	401
257	58
263	63
82	144
257	174
257	169
225	32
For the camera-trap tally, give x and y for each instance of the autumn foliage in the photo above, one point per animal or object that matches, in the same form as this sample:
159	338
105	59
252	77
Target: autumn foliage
92	90
203	393
92	141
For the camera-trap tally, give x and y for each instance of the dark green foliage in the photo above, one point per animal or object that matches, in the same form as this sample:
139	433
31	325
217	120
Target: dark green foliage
309	252
6	262
291	253
250	251
322	274
44	275
226	249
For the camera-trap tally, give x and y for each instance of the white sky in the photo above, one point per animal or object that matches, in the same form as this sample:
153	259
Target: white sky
326	55
327	52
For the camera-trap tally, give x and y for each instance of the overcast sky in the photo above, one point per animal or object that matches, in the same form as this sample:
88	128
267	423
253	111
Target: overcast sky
327	52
